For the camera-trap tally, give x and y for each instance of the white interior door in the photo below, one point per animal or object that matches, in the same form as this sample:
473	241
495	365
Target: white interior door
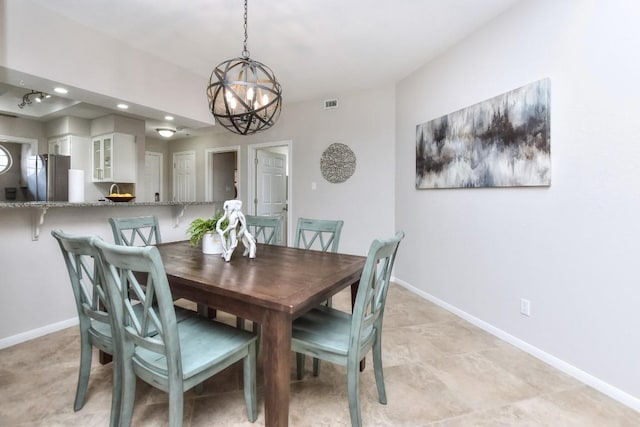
152	177
184	176
271	187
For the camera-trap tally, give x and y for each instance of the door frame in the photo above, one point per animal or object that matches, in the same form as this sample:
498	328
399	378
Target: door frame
251	180
208	170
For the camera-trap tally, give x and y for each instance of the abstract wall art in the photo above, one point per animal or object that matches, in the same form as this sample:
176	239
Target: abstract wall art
501	142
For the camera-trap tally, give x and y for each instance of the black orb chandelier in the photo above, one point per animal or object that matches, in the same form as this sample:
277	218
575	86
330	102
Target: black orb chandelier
244	95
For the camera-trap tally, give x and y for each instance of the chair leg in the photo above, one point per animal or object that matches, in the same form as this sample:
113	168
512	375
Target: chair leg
257	329
205	311
116	393
176	403
353	388
128	388
84	372
316	366
299	365
249	375
199	388
377	369
240	323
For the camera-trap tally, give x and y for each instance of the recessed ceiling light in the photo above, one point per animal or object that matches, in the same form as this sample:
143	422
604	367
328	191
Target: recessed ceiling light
168	117
123	106
60	90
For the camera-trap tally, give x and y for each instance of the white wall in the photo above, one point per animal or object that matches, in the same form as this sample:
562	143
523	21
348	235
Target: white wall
571	248
364	122
37	41
35	294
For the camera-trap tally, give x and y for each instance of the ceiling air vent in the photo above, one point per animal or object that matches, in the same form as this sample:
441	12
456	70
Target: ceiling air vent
330	103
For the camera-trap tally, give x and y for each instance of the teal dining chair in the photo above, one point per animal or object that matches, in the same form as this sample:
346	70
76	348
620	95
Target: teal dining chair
345	339
173	357
265	229
323	235
134	231
88	286
318	234
143	231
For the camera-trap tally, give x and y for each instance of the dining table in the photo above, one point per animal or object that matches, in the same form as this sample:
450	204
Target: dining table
272	289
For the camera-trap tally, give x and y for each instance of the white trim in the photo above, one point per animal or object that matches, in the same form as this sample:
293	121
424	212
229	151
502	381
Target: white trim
251	178
20	140
36	333
582	376
208	169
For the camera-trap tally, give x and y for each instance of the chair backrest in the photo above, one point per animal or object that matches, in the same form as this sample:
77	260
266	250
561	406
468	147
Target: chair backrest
368	308
265	229
87	280
136	275
125	230
325	234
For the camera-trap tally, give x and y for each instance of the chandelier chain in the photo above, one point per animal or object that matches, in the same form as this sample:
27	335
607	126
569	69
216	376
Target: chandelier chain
245	52
244	95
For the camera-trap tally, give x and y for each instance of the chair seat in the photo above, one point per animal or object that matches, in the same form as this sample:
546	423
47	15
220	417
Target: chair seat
324	329
204	343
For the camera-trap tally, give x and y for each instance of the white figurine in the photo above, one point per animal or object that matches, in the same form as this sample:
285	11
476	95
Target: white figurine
228	236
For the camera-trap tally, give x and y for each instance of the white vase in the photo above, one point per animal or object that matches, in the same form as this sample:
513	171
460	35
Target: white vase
211	244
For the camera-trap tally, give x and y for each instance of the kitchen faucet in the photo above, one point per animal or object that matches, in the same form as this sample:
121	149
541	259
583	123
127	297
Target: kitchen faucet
117	189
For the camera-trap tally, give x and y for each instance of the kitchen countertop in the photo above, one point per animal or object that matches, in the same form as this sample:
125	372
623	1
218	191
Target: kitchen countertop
106	203
40	209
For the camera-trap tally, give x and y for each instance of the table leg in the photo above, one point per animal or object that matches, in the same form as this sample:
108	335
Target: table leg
276	354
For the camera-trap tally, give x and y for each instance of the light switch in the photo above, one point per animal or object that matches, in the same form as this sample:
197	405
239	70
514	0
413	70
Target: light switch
313	186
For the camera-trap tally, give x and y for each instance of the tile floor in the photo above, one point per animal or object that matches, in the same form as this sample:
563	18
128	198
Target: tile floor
439	371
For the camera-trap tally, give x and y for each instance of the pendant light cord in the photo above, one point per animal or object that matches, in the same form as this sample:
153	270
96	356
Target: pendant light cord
245	52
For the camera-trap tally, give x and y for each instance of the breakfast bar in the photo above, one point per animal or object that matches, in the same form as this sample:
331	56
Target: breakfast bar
40	209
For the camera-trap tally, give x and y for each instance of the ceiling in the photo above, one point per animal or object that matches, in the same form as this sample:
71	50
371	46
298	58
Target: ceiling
317	49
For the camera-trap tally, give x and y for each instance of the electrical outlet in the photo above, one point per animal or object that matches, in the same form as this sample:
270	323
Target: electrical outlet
525	307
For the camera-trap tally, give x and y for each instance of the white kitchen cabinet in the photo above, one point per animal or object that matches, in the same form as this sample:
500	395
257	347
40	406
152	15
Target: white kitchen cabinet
114	158
60	145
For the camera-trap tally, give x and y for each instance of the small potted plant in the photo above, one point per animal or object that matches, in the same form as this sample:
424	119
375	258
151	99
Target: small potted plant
204	230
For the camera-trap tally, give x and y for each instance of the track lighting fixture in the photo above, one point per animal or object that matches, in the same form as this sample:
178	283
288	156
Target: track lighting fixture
38	97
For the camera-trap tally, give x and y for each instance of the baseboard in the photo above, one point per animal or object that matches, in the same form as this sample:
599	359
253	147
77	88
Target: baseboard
561	365
35	333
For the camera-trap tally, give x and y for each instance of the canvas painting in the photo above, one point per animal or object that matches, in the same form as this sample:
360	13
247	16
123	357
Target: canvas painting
501	142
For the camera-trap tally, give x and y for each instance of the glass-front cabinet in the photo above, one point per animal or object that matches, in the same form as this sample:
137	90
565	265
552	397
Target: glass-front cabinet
114	158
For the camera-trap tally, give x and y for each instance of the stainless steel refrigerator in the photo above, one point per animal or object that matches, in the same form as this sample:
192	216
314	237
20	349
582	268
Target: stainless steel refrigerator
48	177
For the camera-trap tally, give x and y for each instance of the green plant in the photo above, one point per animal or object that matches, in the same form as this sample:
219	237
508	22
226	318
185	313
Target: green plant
200	226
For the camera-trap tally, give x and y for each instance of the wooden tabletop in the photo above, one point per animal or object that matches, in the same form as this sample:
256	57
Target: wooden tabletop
278	278
272	289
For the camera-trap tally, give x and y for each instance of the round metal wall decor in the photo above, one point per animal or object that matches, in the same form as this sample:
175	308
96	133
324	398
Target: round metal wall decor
338	163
